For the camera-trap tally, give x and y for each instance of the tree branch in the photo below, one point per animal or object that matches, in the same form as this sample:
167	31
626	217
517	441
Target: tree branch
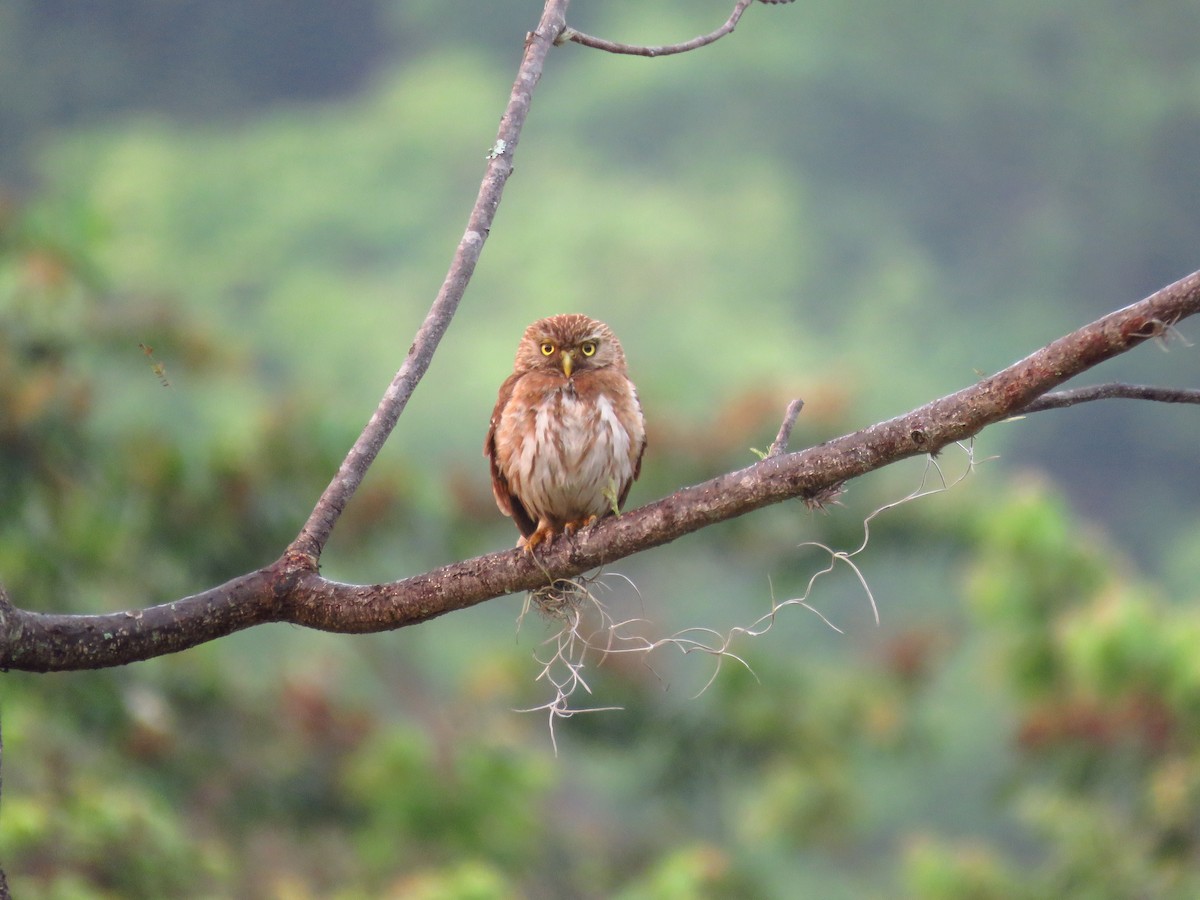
288	592
780	444
1063	399
307	547
587	40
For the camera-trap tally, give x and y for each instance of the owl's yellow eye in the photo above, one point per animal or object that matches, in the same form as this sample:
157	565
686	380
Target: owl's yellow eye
588	348
547	349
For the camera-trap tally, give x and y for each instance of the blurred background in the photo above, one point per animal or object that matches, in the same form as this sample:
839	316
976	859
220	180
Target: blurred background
220	225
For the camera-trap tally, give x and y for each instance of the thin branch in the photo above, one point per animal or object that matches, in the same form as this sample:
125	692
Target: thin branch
288	592
587	40
1114	391
307	547
780	444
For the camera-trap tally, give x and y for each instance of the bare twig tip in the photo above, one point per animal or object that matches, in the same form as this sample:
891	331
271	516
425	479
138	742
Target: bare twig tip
780	444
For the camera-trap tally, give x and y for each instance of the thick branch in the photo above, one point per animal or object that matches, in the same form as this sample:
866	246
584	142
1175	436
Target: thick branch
290	593
313	536
45	642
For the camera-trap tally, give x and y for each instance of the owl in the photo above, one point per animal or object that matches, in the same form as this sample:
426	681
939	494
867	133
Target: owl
567	435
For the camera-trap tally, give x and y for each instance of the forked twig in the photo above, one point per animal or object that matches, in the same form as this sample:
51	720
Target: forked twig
596	43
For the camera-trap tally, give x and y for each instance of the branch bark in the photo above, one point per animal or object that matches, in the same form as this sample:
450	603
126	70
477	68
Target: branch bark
290	592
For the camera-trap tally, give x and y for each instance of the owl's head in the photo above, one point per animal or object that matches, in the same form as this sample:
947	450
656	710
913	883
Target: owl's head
571	344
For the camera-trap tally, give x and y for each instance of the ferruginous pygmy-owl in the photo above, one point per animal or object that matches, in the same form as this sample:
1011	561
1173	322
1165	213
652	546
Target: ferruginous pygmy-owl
566	437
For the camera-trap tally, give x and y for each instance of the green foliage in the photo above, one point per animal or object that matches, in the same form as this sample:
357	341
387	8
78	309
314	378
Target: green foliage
480	802
1033	570
935	872
100	835
1106	727
695	871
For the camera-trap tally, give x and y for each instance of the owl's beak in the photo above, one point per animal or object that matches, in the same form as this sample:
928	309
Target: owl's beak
567	360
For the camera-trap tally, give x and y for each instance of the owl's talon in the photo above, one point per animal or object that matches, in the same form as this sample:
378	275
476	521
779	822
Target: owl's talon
544	534
571	527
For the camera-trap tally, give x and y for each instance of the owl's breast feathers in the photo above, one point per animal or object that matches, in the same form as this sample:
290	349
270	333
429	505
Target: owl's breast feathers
564	450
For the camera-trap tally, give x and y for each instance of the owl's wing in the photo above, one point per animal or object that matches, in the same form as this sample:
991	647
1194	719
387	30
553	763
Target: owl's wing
506	500
637	470
641	450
